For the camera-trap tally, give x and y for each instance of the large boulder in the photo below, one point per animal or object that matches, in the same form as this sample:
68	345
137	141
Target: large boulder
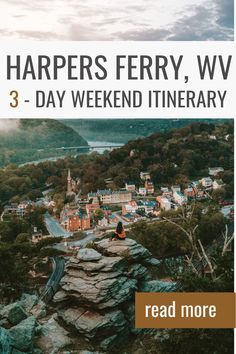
100	291
33	305
14	313
39	310
61	296
22	335
94	325
88	254
52	337
28	301
5	341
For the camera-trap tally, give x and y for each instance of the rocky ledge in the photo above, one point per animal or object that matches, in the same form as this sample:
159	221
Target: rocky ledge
93	308
26	328
96	295
104	277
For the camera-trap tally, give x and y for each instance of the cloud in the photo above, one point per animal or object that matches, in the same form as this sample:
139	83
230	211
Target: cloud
199	23
202	25
39	35
225	13
79	32
144	35
127	20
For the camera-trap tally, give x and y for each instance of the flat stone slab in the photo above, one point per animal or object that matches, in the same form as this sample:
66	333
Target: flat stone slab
100	292
128	249
93	324
88	255
105	264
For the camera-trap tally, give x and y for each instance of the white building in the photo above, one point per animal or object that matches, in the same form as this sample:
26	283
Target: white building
149	186
121	196
144	176
165	189
142	191
212	137
206	182
107	196
165	204
213	171
179	198
176	188
130	208
130	187
103	222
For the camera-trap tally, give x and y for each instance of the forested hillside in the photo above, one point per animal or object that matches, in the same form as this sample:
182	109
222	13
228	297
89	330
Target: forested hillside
31	139
123	130
177	156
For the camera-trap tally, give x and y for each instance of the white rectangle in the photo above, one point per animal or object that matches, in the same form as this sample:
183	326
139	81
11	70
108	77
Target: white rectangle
152	67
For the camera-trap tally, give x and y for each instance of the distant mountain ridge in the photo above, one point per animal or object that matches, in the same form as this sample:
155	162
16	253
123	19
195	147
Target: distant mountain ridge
28	139
124	130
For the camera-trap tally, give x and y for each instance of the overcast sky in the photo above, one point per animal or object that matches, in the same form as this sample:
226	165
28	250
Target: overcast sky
121	20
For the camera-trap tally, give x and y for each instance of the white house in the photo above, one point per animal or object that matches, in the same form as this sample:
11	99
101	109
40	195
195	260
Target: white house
213	171
129	208
179	198
142	191
149	186
130	186
165	189
145	175
165	204
175	188
206	182
103	222
212	137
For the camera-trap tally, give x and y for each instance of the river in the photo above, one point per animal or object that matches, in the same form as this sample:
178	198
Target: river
95	145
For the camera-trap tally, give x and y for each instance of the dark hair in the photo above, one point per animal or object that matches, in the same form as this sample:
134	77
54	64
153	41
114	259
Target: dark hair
119	227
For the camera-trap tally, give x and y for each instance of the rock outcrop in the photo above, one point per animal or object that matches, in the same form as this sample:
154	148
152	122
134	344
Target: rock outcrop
96	295
19	325
13	313
52	337
33	305
5	341
93	308
22	335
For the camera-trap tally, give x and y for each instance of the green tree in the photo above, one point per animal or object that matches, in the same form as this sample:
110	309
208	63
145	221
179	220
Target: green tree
98	214
22	238
5	232
200	341
218	194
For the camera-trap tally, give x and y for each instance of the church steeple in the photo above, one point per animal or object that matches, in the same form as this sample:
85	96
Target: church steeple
69	182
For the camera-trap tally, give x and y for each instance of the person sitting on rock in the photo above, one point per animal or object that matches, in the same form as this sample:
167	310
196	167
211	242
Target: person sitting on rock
119	234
